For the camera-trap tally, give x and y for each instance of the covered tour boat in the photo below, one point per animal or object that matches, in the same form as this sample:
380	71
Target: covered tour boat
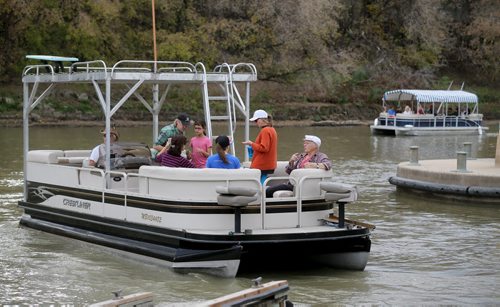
428	112
216	221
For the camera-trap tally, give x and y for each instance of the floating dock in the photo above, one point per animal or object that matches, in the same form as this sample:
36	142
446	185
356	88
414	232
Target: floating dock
462	178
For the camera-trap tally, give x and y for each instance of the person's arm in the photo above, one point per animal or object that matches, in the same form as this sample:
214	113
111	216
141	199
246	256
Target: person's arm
263	141
292	163
159	155
94	156
320	161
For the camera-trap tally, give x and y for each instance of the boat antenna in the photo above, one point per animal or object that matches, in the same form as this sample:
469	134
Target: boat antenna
154	33
449	86
462	87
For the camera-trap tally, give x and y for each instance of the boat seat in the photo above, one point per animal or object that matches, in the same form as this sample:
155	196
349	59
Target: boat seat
340	193
236	198
179	183
311	179
283	193
48	156
77	153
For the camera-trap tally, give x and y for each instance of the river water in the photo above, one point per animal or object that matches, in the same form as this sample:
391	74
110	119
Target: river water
425	251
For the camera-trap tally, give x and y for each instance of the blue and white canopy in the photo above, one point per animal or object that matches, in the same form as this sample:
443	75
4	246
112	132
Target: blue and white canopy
426	96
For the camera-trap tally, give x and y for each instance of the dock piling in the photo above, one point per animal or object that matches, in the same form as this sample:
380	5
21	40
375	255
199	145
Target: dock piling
468	150
414	155
462	161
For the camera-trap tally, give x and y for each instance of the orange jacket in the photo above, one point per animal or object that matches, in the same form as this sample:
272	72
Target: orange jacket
265	150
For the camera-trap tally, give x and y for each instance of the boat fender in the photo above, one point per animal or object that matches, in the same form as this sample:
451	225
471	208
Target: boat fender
484	191
428	186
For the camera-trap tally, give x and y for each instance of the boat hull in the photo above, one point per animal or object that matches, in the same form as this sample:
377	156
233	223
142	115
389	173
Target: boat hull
422	131
223	254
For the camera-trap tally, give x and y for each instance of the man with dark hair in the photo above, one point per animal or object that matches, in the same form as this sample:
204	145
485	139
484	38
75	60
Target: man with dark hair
178	127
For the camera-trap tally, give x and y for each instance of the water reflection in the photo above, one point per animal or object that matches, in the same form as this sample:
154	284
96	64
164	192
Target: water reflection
424	250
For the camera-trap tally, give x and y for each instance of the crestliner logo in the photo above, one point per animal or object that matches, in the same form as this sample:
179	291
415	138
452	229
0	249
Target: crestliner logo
76	203
150	217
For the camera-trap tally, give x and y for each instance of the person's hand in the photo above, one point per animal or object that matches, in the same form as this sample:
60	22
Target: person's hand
313	165
249	143
294	157
310	165
158	147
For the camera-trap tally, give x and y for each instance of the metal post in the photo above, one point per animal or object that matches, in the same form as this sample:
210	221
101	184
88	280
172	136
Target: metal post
468	150
461	161
237	220
26	113
414	155
341	214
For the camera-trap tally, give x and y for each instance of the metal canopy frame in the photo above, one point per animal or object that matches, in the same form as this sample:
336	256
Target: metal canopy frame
136	74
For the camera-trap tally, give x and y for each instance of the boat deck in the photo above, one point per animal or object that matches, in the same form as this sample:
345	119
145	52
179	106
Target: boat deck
132	71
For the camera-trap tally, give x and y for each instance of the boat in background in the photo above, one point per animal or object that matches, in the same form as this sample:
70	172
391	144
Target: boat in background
433	112
216	221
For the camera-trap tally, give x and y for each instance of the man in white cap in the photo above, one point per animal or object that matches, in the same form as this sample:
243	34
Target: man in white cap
310	158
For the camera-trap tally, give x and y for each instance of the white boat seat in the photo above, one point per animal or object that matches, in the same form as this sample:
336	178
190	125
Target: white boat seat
45	156
241	191
283	193
77	153
71	160
235	200
339	191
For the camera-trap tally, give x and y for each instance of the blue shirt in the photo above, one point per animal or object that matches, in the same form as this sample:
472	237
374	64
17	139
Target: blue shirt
214	161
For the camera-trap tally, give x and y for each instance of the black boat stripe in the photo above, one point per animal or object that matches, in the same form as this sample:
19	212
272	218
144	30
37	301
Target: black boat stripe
182	207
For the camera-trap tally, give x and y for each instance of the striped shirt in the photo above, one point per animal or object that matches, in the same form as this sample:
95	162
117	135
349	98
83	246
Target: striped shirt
169	160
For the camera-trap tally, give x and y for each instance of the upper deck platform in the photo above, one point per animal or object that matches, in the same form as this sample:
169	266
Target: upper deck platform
127	71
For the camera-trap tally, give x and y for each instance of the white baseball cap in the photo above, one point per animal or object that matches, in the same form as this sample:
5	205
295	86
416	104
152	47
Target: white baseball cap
259	114
312	138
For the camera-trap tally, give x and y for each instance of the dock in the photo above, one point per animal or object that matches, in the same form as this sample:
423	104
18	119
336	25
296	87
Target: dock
463	177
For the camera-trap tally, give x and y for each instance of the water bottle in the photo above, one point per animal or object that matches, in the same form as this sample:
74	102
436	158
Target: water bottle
250	151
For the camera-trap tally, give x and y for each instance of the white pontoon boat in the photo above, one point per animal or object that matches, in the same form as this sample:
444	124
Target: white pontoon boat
432	113
205	220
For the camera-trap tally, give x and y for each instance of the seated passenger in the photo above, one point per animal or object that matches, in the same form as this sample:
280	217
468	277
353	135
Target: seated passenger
408	110
171	157
310	158
420	109
222	159
392	111
98	154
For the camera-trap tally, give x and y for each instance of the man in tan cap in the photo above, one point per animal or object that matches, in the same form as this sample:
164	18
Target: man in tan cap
99	152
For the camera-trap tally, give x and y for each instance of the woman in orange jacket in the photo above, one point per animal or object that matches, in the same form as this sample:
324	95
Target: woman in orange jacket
265	147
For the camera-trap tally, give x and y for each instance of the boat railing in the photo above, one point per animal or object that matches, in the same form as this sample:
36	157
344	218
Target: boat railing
89	66
105	175
429	120
297	195
36	69
161	66
235	68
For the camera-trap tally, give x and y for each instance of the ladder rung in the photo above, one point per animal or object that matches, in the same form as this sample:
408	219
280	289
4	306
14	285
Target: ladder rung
219	117
217	97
